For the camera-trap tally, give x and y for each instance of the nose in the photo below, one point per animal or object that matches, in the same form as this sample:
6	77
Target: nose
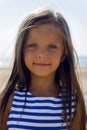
42	54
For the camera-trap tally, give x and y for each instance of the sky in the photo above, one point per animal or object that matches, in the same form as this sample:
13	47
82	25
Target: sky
12	12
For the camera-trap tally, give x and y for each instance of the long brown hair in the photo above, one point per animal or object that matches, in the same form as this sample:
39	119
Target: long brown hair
65	74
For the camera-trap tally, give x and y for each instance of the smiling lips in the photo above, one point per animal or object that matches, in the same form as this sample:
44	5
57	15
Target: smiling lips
41	64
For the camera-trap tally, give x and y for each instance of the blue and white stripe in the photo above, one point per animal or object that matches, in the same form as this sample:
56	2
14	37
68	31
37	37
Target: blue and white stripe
39	113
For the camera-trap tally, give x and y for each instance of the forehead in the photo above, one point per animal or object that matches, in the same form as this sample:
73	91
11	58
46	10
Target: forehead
45	31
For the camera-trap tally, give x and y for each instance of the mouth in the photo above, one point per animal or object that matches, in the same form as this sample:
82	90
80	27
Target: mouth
41	64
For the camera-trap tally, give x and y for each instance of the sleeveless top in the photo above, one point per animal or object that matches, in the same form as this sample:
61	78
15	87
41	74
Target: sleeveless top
38	113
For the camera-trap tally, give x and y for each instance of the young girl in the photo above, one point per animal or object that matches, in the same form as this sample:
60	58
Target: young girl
43	91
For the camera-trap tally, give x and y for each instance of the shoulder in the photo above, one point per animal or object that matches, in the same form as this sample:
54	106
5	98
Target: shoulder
79	119
9	103
6	112
78	111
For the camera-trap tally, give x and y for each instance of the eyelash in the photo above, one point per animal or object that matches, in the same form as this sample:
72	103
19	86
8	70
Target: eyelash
52	46
32	45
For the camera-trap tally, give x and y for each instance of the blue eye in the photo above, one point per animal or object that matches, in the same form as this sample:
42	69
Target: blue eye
53	46
33	45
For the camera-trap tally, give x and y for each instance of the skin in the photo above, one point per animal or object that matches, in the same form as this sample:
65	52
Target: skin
42	55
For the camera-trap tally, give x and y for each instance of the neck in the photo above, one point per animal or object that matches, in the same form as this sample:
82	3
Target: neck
43	86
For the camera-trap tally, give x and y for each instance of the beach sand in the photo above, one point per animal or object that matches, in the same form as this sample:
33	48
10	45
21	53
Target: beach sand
82	76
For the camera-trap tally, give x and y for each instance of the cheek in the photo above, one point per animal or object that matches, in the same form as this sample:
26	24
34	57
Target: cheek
29	54
28	58
56	60
56	56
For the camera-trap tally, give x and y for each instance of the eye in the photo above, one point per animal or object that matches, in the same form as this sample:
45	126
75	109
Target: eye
32	45
51	46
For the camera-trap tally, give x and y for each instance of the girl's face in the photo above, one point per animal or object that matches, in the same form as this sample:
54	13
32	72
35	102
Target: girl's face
43	50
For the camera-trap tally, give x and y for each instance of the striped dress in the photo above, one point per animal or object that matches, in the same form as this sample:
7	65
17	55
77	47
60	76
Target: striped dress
38	113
